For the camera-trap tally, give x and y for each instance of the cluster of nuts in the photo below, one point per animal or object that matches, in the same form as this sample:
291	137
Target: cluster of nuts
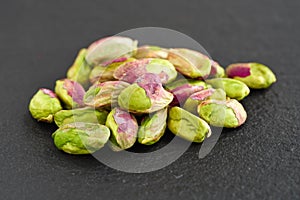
121	93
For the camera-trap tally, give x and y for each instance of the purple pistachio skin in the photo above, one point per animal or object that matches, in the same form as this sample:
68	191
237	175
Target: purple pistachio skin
240	69
49	92
182	92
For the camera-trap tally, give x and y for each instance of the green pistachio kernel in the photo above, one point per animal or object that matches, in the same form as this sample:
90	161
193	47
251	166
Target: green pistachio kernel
81	137
183	81
187	125
151	52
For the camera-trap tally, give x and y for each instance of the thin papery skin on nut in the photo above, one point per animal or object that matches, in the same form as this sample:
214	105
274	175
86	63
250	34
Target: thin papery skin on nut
153	127
43	105
234	88
254	75
70	93
104	94
181	93
80	70
81	137
187	126
131	71
191	104
228	114
145	96
110	48
124	128
105	71
190	63
80	115
151	52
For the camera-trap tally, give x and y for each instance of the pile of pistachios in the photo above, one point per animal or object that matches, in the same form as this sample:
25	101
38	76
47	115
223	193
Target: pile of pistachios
117	93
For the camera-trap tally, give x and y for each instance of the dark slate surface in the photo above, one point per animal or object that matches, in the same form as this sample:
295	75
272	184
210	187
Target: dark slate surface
261	160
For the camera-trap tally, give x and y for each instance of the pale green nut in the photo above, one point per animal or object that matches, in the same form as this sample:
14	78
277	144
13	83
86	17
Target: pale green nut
124	128
81	137
255	75
228	114
151	52
43	105
187	126
180	82
80	70
153	127
234	89
86	114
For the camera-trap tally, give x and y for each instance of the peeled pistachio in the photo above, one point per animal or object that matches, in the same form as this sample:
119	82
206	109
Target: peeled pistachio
80	115
146	95
110	48
70	93
123	128
153	127
216	70
191	104
130	71
187	125
190	63
104	94
255	75
181	93
80	70
151	52
105	71
81	137
43	105
181	82
228	114
234	88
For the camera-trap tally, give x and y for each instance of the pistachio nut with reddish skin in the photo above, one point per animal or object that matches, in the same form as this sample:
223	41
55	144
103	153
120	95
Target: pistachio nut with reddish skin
146	95
187	126
191	104
228	114
105	71
153	127
254	75
43	105
181	93
124	128
110	48
104	94
70	93
80	70
151	52
131	71
190	63
216	70
183	81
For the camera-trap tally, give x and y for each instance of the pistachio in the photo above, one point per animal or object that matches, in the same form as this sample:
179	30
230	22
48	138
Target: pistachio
181	93
123	128
181	82
81	137
187	125
254	75
216	70
43	105
130	71
153	127
190	63
146	95
151	52
110	48
70	93
80	115
234	88
228	114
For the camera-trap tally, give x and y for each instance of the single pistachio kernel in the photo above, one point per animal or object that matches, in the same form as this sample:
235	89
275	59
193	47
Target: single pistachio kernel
190	63
255	75
151	52
153	127
70	93
228	114
183	81
181	93
216	70
187	125
80	70
234	88
81	137
191	104
80	115
124	128
43	105
131	71
104	94
105	71
110	48
145	96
